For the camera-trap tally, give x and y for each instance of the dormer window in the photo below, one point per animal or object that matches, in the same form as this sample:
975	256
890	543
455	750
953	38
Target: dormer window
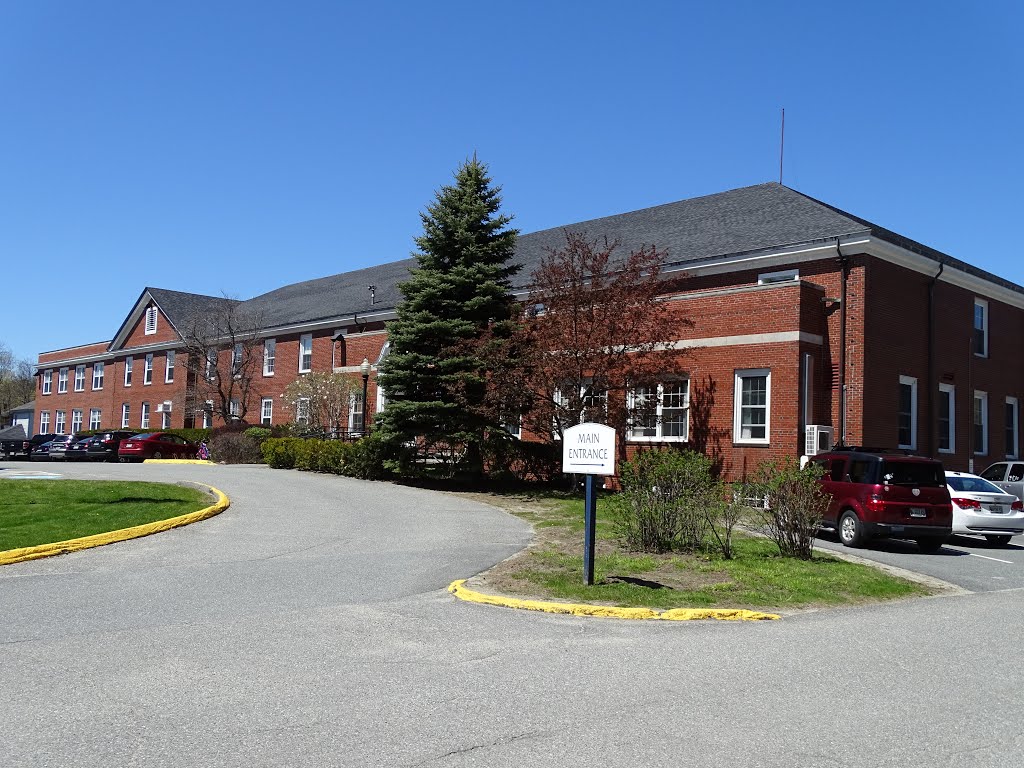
150	321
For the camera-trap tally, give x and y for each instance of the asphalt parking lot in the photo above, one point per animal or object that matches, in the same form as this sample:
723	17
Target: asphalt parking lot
309	625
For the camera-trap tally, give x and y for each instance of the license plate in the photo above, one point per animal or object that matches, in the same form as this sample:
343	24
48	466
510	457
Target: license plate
998	509
918	512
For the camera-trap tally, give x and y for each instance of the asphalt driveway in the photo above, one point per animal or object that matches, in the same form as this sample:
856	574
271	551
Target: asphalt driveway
308	625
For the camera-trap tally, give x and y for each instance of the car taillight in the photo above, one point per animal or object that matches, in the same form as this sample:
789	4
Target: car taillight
966	503
876	503
1017	506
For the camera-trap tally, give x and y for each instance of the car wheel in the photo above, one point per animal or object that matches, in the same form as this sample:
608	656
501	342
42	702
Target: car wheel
122	459
999	539
851	532
157	455
930	544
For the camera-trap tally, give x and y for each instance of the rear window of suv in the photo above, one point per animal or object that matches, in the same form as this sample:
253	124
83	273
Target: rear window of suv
916	473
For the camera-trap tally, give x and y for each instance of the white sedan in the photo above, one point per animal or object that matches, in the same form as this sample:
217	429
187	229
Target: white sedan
983	509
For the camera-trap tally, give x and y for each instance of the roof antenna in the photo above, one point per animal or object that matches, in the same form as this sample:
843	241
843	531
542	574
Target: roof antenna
373	294
782	143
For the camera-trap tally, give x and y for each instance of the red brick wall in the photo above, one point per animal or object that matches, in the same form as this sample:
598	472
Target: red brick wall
164	331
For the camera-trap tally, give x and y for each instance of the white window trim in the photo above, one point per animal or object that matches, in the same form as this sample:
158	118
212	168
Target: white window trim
125	416
266	419
983	397
144	416
98	373
269	356
302	347
77	419
169	361
79	378
62	381
95	418
48	381
151	316
738	406
165	420
783	276
984	305
44	422
912	383
60	422
1013	451
659	410
128	361
951	389
147	370
208	414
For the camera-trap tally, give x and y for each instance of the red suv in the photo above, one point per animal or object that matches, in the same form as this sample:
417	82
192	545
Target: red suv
877	493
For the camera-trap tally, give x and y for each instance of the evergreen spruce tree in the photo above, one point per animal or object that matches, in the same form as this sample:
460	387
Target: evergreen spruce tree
456	307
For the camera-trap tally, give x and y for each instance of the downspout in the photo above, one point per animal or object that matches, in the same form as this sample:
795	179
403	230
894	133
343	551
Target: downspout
933	400
844	265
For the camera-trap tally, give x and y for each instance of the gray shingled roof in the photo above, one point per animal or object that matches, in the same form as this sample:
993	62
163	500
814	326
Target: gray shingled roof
742	220
180	307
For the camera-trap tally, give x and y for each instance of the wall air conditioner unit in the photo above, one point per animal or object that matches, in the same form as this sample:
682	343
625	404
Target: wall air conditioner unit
817	439
164	407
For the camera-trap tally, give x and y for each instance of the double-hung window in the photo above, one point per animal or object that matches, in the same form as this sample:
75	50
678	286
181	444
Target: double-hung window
144	421
267	411
128	371
906	413
61	421
97	375
1012	434
269	353
169	367
147	372
44	422
47	381
980	423
95	416
947	418
355	413
236	360
62	381
302	410
660	412
208	414
79	378
165	420
306	353
76	421
125	414
752	409
211	364
980	338
234	408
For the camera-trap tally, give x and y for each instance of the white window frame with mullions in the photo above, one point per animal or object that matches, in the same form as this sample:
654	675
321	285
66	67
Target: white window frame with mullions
60	422
1012	427
95	418
47	381
306	353
906	414
147	372
947	418
44	422
747	403
267	411
62	381
979	342
125	415
269	356
97	376
76	420
79	378
660	413
979	440
128	361
144	418
169	367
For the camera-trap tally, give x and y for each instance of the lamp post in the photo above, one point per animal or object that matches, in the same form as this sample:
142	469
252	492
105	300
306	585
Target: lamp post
364	368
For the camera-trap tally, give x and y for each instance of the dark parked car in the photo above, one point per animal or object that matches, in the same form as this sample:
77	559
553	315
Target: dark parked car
33	444
878	493
105	447
79	449
41	452
59	445
12	441
156	445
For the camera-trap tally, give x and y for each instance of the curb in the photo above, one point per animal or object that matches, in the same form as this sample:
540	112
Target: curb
98	540
459	589
178	461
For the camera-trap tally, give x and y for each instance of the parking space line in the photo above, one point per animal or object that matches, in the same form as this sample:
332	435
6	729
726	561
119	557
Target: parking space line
986	557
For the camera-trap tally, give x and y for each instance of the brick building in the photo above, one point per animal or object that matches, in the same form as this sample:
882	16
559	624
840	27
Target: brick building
804	318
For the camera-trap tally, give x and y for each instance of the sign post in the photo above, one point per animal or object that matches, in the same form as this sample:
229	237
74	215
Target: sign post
589	449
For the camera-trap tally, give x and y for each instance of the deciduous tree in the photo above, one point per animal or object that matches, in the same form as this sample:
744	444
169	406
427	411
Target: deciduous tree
323	401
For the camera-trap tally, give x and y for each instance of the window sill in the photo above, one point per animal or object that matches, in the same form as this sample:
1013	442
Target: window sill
630	439
947	451
757	443
907	447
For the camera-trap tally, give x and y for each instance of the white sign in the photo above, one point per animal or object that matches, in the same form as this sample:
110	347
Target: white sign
589	449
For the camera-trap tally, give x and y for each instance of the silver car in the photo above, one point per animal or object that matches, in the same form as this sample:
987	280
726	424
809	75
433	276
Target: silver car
982	509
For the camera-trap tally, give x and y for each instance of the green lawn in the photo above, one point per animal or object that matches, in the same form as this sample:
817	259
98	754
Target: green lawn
756	577
44	511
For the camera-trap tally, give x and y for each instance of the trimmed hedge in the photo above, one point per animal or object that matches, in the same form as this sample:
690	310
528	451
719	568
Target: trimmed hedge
363	459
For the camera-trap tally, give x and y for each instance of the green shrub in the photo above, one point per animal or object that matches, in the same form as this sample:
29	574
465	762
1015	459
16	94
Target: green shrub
258	433
508	458
234	448
280	452
665	499
795	502
192	435
367	457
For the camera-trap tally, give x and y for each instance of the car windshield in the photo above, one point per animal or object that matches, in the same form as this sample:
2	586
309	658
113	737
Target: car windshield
918	473
972	485
143	436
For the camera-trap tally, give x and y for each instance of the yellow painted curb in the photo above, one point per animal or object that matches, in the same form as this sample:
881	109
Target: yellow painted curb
462	592
98	540
177	461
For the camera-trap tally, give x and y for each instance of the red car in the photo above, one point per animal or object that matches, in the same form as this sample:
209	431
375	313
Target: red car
877	493
155	445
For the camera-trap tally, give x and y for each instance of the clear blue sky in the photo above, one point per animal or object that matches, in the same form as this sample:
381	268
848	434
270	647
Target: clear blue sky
234	147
